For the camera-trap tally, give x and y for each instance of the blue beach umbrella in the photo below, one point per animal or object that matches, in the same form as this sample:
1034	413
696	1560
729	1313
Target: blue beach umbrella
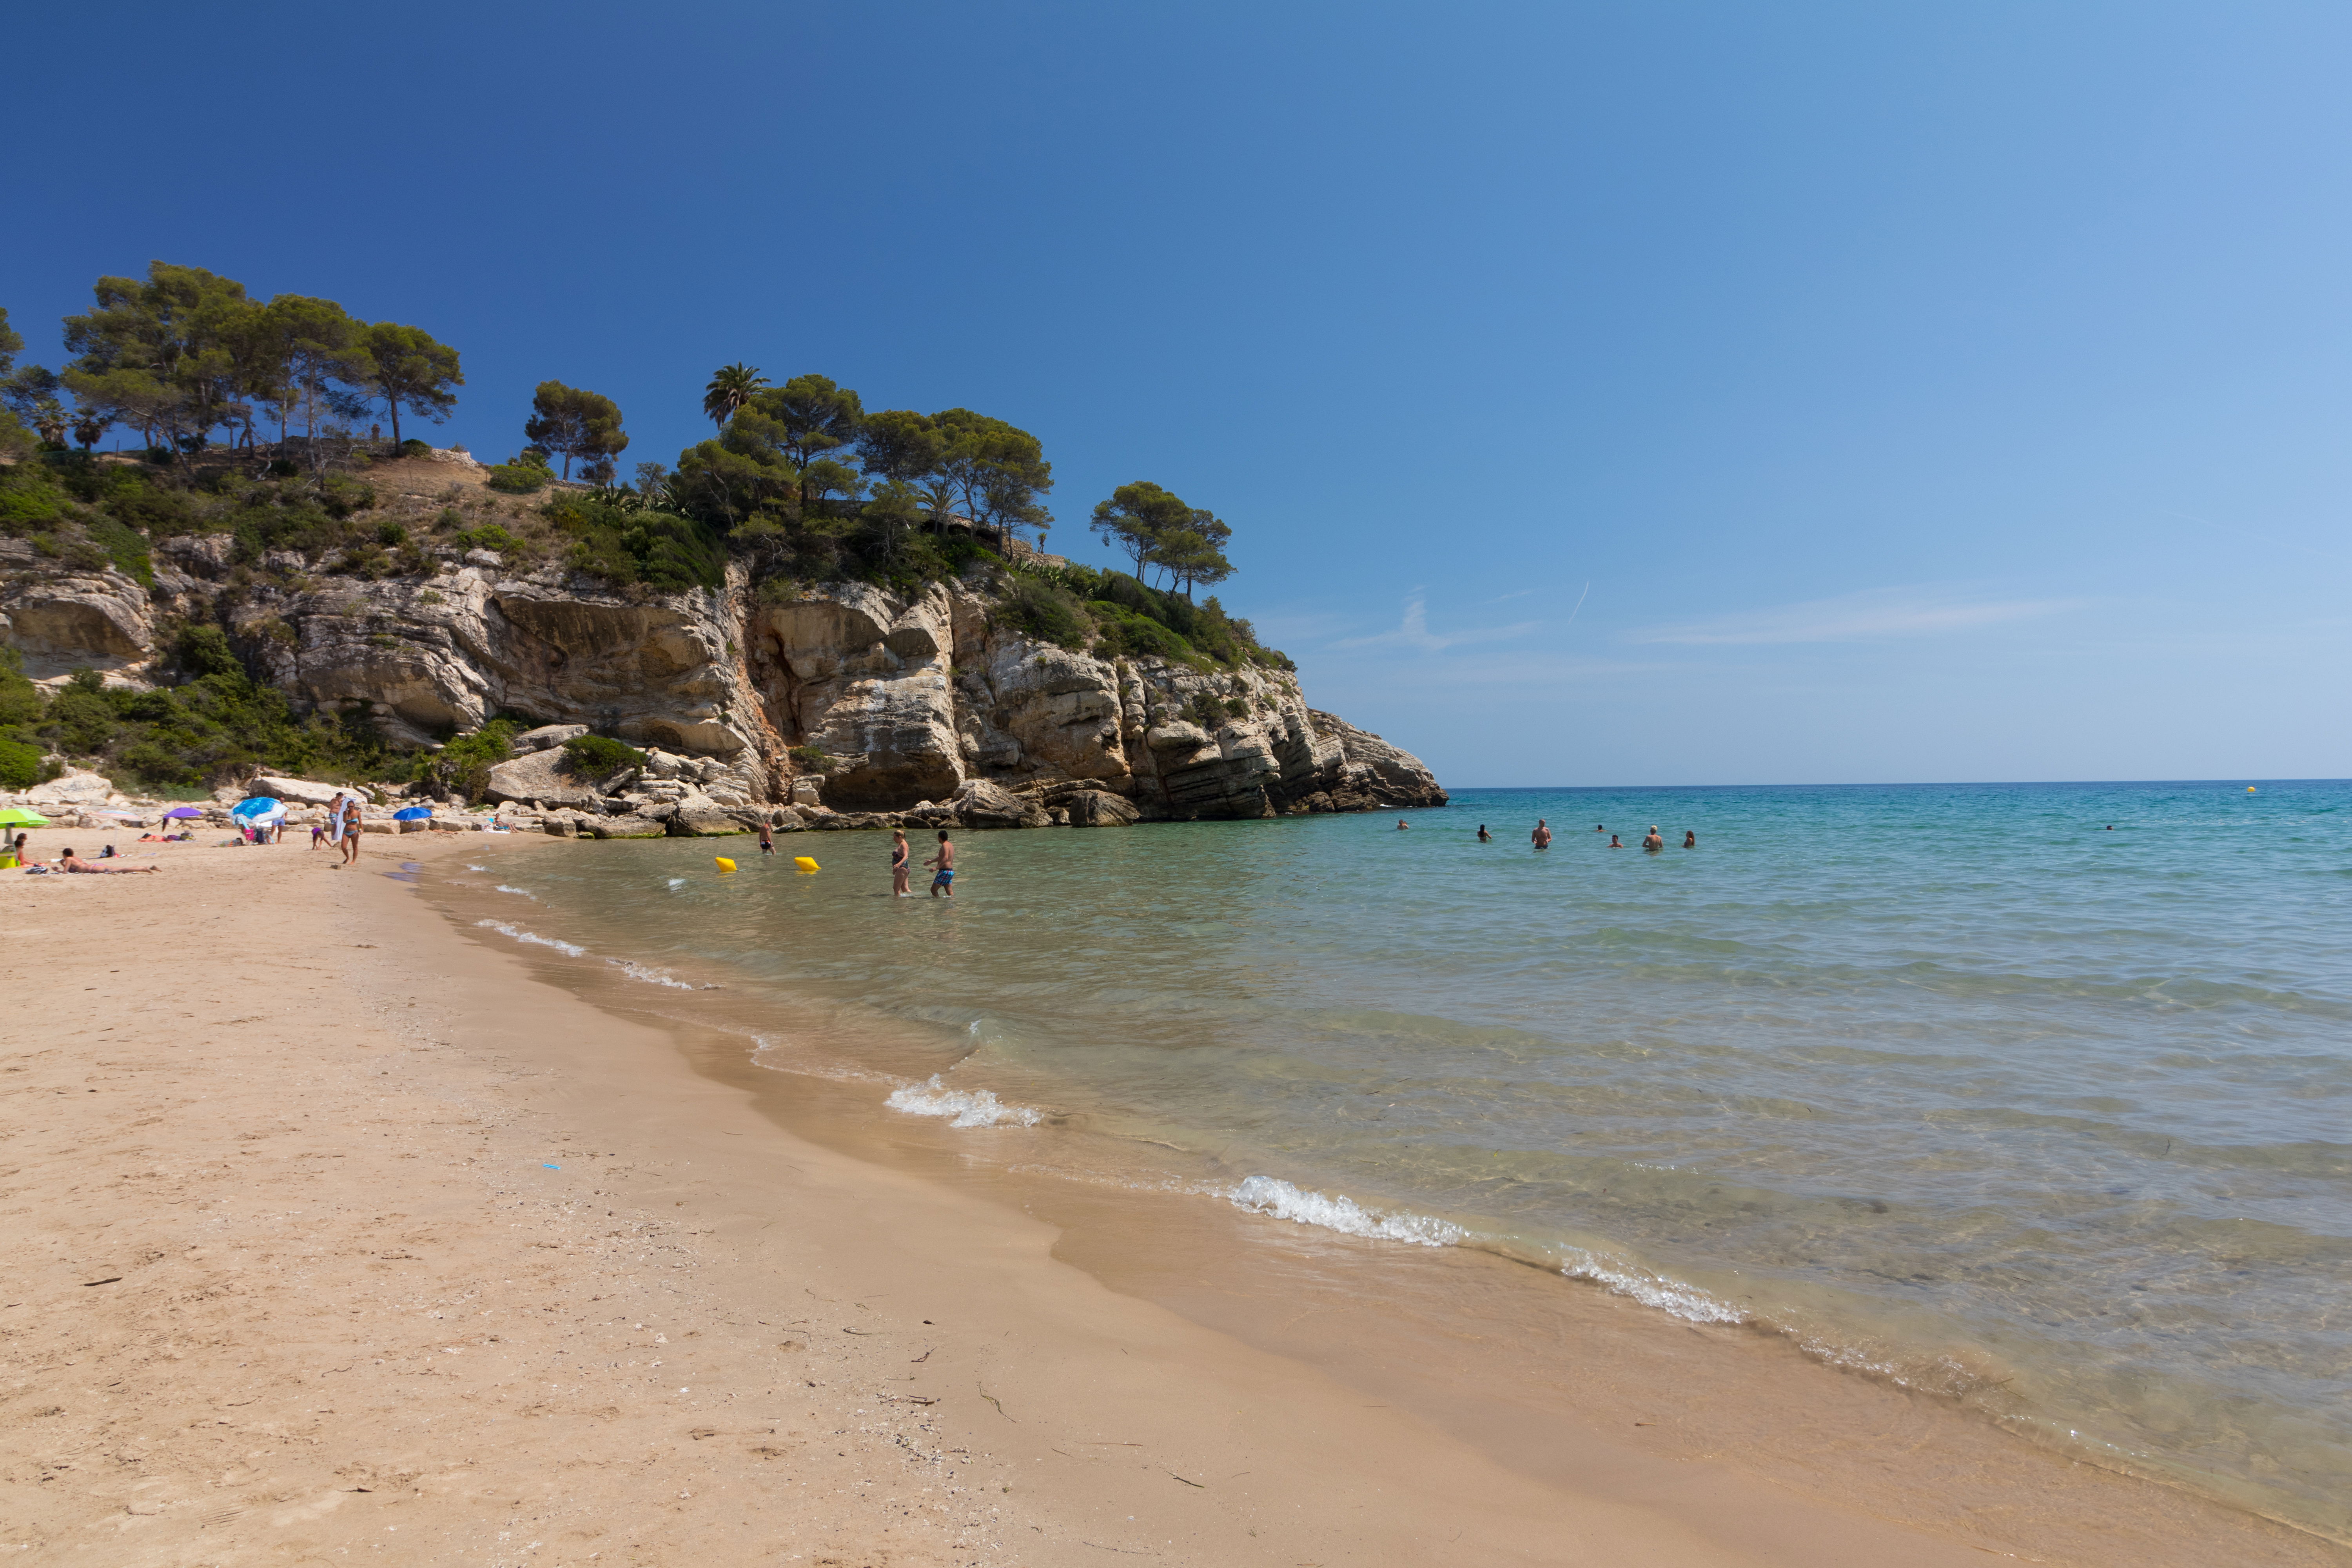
412	814
258	811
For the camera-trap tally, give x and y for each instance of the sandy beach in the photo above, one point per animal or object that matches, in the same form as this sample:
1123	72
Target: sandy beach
335	1230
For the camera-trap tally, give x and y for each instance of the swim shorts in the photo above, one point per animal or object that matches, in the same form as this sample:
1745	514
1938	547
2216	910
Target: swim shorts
946	876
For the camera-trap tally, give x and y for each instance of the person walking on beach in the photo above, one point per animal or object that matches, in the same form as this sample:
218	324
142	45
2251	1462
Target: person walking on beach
767	834
899	854
1542	834
945	860
351	831
1653	842
70	862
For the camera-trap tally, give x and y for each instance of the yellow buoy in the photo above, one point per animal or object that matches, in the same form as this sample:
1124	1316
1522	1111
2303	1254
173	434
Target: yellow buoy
804	863
2249	789
723	863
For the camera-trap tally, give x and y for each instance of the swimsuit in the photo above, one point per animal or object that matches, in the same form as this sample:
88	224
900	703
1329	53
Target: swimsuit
946	876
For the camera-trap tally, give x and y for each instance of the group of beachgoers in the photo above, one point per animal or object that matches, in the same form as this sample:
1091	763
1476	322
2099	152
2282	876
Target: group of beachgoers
1652	841
69	862
942	865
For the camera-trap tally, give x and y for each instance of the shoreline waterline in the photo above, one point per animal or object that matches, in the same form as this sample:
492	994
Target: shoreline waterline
953	1099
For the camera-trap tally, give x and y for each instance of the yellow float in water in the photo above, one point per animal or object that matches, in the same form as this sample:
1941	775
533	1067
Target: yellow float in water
2249	789
723	863
804	863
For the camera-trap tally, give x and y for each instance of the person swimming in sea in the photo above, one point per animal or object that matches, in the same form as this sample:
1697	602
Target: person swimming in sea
1402	825
1541	837
1484	837
1690	839
1653	842
1613	844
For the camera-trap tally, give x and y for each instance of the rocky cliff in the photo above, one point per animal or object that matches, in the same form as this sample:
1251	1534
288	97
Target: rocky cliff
893	704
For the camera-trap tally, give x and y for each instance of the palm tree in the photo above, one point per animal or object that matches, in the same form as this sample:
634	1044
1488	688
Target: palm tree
730	389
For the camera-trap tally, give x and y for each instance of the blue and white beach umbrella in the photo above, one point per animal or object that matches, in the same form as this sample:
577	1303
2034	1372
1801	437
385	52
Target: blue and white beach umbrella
412	814
258	812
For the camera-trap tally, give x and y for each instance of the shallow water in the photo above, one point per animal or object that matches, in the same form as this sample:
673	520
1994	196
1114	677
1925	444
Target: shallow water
1949	1083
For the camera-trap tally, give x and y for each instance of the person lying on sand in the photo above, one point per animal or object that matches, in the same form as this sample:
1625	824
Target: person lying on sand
70	862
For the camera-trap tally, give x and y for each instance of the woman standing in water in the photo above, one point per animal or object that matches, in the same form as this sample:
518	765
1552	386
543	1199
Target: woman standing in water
898	852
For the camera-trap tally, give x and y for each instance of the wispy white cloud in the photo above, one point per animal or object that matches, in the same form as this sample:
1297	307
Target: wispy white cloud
1413	631
1856	617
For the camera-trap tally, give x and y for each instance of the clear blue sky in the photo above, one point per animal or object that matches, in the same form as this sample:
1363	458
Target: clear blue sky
1903	392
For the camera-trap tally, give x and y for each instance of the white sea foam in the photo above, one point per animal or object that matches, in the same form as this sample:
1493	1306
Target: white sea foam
1279	1199
504	889
678	881
568	949
471	866
965	1107
650	976
1685	1302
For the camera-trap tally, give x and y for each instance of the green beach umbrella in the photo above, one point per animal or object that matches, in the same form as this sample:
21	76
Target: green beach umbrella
17	817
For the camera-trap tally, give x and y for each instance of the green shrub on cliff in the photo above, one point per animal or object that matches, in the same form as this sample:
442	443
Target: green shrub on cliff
599	756
1044	611
196	733
20	764
464	764
527	474
626	544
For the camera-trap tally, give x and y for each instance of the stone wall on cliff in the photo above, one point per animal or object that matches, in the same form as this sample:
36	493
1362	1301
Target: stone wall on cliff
908	699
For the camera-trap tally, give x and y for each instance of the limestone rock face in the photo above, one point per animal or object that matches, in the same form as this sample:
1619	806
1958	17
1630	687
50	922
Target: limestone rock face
547	737
980	803
540	777
75	787
1096	808
908	698
104	621
300	791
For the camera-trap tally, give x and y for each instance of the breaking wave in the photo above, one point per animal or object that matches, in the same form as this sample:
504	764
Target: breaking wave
650	976
964	1107
1279	1199
570	950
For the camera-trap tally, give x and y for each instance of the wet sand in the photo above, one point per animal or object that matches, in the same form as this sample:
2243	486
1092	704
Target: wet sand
336	1228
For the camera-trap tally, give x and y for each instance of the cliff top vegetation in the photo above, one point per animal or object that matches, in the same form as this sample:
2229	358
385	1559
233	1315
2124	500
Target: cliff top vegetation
247	415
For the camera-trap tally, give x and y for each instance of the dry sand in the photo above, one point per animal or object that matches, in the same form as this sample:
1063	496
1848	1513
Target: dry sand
331	1232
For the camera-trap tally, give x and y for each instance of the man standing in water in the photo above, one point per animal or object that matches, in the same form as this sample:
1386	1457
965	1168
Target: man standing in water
945	860
1653	842
767	834
1542	834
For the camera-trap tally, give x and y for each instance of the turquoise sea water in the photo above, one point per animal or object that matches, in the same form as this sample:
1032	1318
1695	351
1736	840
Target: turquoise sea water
1951	1083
